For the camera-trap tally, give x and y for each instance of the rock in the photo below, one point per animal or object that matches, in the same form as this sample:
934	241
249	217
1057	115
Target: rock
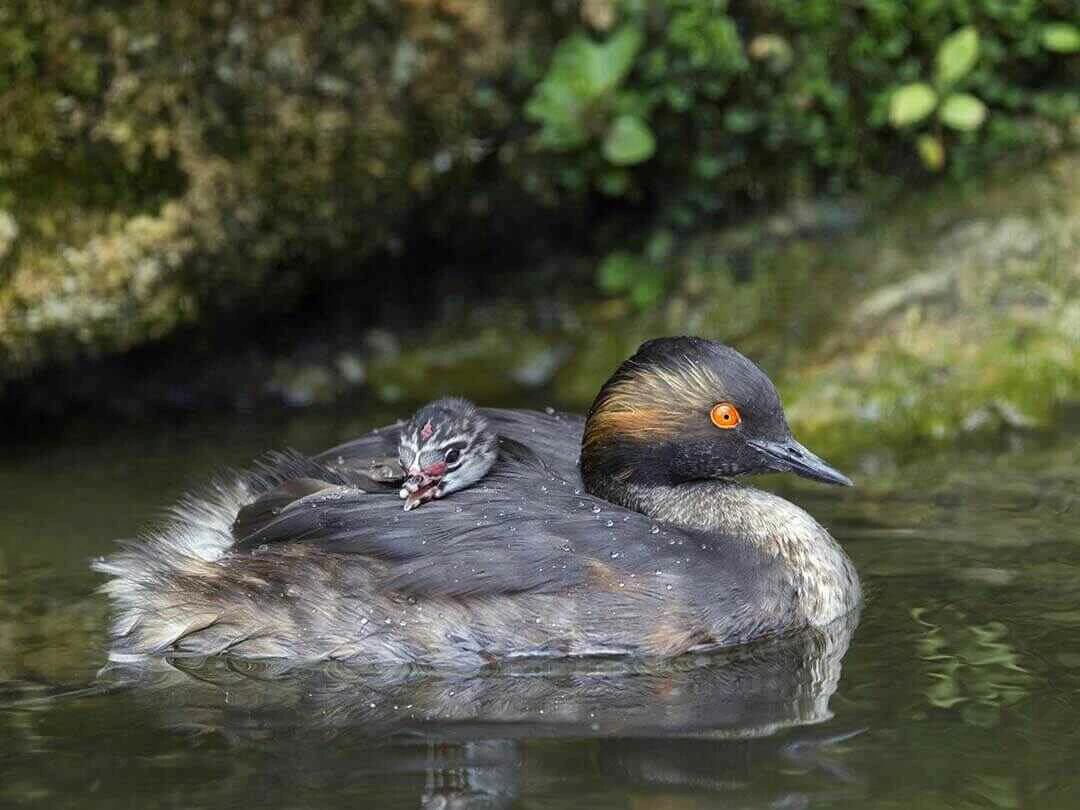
915	290
997	414
986	240
209	162
968	328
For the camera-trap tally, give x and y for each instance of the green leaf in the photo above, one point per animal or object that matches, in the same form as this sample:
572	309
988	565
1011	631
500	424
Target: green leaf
560	102
1061	37
571	68
618	271
629	140
962	111
911	104
581	78
561	116
932	152
957	56
610	62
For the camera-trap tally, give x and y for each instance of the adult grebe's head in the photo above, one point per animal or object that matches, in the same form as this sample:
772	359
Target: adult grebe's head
684	409
447	445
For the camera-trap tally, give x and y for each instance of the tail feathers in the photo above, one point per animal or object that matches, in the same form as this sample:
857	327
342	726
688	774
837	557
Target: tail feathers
165	584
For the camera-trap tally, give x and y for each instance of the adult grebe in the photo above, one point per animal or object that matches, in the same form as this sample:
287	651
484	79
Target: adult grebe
650	548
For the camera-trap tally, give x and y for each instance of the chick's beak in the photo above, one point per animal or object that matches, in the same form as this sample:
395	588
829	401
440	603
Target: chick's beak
419	488
790	456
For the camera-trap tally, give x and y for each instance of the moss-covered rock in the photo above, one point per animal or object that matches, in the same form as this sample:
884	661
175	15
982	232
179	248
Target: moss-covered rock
160	163
966	318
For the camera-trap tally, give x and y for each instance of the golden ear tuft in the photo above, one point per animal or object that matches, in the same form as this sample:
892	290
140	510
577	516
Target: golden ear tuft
725	415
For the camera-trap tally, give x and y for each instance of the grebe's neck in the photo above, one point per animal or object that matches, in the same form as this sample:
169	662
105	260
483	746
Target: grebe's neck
823	576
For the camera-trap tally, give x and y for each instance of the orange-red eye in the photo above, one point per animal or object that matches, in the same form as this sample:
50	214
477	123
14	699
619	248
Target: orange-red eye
725	415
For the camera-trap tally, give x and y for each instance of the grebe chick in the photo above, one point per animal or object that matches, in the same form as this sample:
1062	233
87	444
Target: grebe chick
446	446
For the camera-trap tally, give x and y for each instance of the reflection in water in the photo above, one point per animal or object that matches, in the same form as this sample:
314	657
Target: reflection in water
472	736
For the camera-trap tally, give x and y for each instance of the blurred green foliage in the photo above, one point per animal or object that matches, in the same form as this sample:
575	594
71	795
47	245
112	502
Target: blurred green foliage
693	108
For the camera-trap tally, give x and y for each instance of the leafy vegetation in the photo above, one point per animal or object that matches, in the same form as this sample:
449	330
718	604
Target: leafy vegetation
690	109
960	111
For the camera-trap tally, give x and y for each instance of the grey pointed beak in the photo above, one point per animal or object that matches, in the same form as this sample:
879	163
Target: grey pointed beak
790	456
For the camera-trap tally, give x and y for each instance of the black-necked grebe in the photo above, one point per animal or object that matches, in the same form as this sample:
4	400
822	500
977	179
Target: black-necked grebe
650	547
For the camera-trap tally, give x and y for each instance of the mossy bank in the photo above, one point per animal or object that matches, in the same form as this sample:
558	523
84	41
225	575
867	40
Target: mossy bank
167	164
215	205
950	313
944	315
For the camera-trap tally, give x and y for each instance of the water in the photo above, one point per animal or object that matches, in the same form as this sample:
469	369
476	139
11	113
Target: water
958	687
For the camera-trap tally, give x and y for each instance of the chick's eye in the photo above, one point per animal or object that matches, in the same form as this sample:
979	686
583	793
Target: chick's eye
452	455
725	415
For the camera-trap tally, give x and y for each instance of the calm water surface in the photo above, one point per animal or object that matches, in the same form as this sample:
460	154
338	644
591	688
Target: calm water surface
958	687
